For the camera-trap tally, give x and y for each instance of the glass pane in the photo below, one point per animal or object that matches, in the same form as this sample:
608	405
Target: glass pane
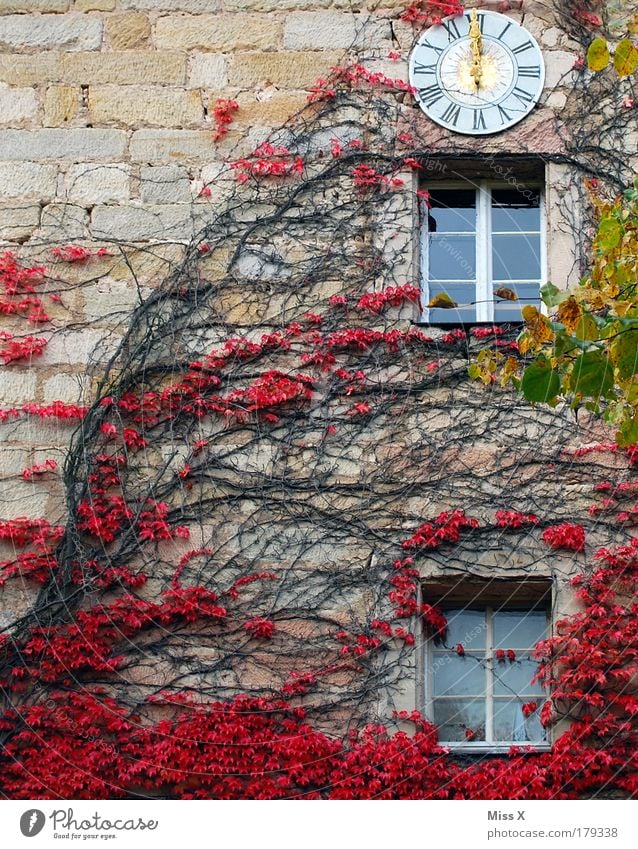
519	629
454	716
462	294
516	257
452	257
459	676
515	210
452	210
515	679
512	726
528	293
466	627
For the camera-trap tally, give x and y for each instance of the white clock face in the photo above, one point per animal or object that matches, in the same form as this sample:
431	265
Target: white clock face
477	78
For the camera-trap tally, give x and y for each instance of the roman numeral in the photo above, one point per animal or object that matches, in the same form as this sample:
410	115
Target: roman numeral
479	120
524	96
500	37
451	114
532	71
481	21
504	115
430	95
433	47
420	68
449	26
526	45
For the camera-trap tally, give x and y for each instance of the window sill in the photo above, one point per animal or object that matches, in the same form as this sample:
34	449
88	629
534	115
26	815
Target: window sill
500	749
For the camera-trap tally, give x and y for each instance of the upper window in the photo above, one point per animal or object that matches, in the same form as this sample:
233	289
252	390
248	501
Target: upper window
482	251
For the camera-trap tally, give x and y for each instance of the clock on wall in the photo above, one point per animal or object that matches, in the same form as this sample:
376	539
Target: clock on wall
477	73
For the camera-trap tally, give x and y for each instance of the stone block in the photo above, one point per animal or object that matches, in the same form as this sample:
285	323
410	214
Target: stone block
126	67
22	498
18	69
87	183
207	70
558	68
74	144
18	220
140	105
171	146
61	104
290	69
196	6
72	347
330	30
95	5
164	184
217	32
34	6
130	29
110	299
70	388
17	105
17	386
163	222
61	222
51	32
28	180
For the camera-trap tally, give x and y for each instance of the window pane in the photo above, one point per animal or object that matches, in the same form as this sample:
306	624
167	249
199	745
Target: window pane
462	294
452	257
452	210
466	627
528	293
511	725
518	629
515	210
454	716
515	679
516	257
454	675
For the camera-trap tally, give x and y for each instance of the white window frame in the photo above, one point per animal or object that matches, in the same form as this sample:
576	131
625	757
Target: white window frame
489	744
483	291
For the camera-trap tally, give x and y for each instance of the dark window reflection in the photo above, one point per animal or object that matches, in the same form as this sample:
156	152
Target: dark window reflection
452	211
514	210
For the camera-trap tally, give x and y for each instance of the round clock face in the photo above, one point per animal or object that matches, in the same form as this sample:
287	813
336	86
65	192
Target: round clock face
477	73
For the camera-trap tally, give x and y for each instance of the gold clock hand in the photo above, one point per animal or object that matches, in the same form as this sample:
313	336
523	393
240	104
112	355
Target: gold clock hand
476	41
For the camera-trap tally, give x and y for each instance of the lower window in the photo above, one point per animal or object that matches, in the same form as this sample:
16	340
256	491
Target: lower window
480	687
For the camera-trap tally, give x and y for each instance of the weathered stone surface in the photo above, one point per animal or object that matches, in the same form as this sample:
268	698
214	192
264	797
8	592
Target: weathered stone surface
88	183
17	385
128	67
272	111
286	70
70	388
28	180
329	30
68	347
171	146
50	32
18	220
217	32
19	498
140	105
164	184
107	297
208	70
130	29
61	104
34	5
559	68
165	222
54	144
63	221
173	5
95	5
17	105
18	69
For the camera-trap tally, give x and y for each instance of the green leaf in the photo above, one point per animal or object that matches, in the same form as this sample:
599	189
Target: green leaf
586	328
628	433
540	382
552	295
609	234
592	375
626	58
598	55
624	353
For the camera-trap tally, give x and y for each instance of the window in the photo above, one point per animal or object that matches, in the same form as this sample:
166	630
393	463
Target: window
482	241
480	691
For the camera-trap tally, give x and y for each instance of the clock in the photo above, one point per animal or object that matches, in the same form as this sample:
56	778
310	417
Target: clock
477	73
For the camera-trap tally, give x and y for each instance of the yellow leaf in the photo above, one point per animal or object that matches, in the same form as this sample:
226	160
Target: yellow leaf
538	329
443	302
569	314
598	55
626	58
506	294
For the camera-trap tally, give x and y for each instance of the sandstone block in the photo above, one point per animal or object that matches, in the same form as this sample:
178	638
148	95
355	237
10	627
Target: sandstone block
196	6
19	498
130	29
63	221
217	32
292	69
325	30
18	221
51	32
162	146
164	222
17	386
76	347
18	69
17	105
34	5
87	183
61	104
558	68
28	180
107	298
89	144
141	105
207	70
164	184
280	5
70	388
128	67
